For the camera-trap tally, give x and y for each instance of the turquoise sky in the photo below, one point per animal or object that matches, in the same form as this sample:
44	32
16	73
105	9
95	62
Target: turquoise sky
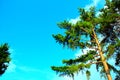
28	25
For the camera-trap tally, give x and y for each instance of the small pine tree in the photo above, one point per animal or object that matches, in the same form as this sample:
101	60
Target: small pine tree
4	58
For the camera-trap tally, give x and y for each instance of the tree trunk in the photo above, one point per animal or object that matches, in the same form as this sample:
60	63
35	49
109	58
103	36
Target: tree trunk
107	71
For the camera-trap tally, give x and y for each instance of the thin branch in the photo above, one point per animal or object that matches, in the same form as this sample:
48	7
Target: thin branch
86	31
95	62
96	55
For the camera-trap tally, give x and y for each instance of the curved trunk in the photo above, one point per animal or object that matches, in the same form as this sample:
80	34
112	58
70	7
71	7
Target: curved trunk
107	71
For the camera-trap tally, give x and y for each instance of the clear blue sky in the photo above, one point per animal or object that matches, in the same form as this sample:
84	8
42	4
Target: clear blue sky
28	25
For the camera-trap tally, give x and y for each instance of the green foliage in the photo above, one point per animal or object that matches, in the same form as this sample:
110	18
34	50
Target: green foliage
117	60
64	25
83	58
70	69
4	58
87	15
83	35
88	75
111	50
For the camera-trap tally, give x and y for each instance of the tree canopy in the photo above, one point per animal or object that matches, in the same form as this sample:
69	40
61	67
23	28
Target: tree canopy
98	32
4	58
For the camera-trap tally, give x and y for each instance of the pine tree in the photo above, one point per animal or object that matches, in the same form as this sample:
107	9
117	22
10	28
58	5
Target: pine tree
4	58
99	33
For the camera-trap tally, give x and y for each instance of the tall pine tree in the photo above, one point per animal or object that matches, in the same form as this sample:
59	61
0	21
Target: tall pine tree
100	33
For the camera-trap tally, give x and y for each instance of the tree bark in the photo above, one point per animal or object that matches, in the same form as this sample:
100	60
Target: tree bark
106	68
